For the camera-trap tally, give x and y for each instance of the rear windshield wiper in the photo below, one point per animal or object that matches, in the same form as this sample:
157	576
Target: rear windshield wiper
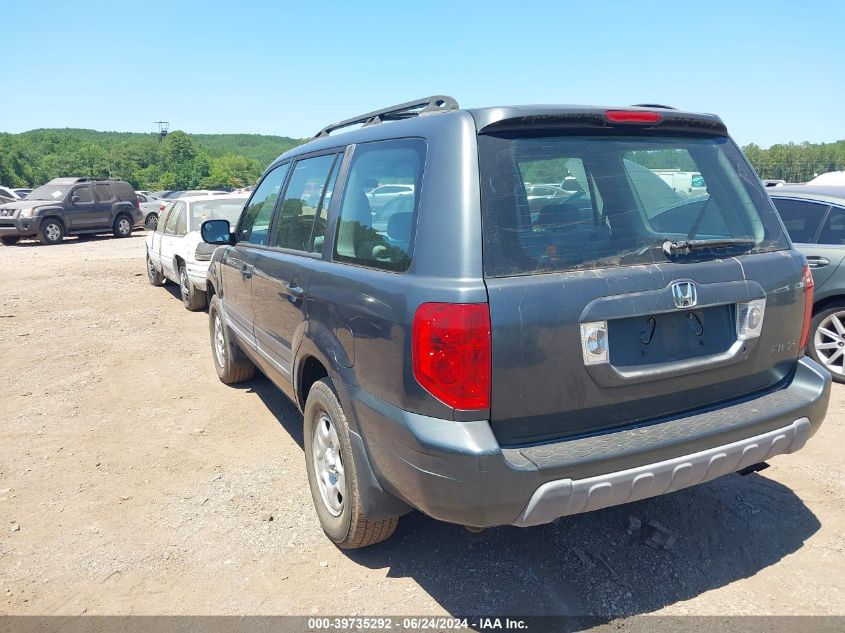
683	247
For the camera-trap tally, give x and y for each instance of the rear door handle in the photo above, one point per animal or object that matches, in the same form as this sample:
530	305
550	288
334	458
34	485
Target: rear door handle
815	261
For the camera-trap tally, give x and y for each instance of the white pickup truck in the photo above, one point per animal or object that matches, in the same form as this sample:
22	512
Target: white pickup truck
175	250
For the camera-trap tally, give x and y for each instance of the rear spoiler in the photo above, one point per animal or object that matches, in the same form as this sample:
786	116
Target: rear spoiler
665	121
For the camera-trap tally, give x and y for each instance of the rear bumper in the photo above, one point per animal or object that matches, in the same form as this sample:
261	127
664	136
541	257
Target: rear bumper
457	472
197	273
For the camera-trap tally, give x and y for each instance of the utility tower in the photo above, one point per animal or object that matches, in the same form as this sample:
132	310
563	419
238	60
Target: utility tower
163	127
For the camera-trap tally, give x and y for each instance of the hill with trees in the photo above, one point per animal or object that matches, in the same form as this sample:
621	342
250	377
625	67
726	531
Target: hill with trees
206	161
179	161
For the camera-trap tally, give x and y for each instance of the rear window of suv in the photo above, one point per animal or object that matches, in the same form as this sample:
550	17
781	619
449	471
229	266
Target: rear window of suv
618	205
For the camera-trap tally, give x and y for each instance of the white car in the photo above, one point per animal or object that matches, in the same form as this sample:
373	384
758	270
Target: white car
177	252
380	196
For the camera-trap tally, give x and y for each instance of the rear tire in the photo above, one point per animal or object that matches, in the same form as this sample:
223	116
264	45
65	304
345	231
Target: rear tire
827	341
10	240
151	221
122	226
229	361
51	231
193	299
333	475
155	276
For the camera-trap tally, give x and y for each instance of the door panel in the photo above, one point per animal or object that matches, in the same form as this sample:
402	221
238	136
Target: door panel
823	261
81	212
279	287
104	198
236	276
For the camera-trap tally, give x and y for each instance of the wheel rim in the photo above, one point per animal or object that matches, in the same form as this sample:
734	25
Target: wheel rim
328	465
151	269
53	232
152	218
184	285
124	227
219	342
829	342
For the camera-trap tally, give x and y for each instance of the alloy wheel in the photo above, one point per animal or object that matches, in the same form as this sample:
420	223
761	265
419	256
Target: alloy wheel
829	342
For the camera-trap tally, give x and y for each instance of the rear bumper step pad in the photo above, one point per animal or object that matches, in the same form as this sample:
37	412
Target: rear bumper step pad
563	497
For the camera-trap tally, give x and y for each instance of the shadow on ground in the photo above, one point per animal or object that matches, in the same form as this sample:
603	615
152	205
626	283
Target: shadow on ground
70	240
590	564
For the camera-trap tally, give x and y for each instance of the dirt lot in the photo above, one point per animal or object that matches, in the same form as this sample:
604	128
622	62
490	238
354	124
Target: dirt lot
133	482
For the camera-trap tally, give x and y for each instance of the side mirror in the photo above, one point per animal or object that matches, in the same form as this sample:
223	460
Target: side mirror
75	199
216	232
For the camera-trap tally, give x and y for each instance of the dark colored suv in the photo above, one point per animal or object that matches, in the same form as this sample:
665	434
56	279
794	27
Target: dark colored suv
71	206
491	363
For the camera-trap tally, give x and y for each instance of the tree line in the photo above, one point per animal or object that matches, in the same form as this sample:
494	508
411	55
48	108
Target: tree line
224	161
178	161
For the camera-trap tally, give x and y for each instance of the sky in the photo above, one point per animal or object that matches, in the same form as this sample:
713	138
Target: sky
774	71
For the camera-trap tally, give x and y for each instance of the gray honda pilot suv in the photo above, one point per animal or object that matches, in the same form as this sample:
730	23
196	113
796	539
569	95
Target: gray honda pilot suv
491	362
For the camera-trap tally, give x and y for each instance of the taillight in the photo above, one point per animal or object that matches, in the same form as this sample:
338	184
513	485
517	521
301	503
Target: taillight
631	116
808	306
451	353
161	206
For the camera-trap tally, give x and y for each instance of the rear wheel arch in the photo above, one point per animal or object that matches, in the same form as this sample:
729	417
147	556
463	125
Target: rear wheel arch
309	370
827	303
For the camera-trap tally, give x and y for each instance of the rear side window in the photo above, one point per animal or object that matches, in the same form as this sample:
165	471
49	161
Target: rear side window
255	221
104	193
175	219
833	230
624	197
376	228
801	218
300	206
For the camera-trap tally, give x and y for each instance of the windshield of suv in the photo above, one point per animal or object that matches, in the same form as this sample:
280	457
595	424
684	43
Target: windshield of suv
49	192
624	200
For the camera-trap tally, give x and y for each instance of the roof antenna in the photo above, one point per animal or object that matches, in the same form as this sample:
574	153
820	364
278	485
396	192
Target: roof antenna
163	127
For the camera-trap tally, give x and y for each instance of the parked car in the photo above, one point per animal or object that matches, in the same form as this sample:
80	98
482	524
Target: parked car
174	195
814	216
22	193
380	196
7	195
175	250
149	209
488	371
71	206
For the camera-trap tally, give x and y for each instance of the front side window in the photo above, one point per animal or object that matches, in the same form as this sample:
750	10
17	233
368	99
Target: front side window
301	203
255	220
82	195
385	242
627	196
801	218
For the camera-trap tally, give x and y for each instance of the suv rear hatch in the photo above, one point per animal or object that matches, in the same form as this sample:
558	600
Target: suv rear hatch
619	300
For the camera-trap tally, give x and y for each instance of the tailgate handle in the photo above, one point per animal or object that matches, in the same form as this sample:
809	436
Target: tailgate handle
814	261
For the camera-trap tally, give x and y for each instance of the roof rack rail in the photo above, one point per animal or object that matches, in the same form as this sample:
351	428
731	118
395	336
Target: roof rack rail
652	105
425	105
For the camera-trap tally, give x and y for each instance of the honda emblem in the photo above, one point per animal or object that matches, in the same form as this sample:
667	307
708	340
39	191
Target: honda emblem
685	294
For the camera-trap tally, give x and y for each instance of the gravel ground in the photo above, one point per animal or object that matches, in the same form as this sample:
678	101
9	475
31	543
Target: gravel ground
133	482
